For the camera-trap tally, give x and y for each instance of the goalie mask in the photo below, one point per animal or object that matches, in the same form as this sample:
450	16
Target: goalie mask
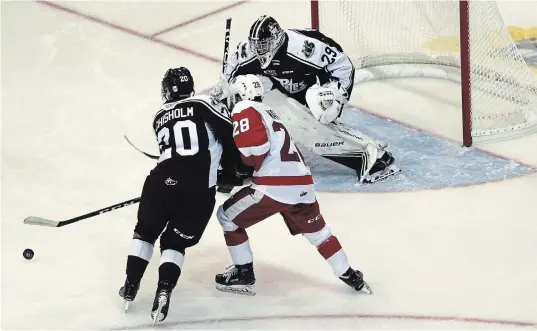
177	84
266	37
246	87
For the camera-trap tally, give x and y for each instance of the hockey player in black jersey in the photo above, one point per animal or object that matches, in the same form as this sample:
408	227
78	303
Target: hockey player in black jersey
194	135
317	76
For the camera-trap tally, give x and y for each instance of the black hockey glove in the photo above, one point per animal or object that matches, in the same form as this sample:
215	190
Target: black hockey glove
229	178
244	171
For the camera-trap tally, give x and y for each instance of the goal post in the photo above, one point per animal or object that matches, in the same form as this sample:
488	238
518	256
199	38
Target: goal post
457	40
466	90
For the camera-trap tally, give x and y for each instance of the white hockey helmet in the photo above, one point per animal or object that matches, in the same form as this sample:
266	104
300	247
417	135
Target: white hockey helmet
245	87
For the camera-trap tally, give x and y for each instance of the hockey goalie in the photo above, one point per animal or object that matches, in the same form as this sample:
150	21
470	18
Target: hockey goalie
317	77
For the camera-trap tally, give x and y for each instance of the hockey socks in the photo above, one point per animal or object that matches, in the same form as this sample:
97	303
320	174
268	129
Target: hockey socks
334	254
239	246
171	264
140	253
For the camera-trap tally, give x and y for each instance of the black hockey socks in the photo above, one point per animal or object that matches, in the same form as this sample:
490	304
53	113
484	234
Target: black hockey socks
169	272
139	256
171	263
136	268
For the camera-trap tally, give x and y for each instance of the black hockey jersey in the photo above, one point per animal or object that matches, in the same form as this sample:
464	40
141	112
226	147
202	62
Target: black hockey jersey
195	136
304	56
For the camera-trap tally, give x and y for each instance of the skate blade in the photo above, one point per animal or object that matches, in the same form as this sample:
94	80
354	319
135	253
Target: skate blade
367	289
157	315
237	289
391	170
127	304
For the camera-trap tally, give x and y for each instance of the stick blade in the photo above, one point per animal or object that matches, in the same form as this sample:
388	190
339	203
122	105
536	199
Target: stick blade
34	220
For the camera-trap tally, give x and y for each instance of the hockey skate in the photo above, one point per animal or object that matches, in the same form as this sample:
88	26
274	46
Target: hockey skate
237	279
161	304
355	279
128	292
383	168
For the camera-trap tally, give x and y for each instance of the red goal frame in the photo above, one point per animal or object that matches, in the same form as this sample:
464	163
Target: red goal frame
465	64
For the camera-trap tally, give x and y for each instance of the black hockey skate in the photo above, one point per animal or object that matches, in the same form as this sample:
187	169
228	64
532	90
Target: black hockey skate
161	304
128	292
355	279
383	168
239	279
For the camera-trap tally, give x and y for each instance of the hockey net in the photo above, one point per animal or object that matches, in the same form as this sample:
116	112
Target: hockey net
465	42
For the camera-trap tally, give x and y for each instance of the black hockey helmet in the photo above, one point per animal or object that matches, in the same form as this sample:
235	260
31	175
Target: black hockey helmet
177	84
266	37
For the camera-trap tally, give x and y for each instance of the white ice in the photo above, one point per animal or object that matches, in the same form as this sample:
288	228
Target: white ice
71	87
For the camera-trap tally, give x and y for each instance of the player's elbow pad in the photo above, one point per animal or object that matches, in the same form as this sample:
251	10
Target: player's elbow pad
325	103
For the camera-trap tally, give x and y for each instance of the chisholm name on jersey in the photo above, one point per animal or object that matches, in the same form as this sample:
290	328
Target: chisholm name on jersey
173	114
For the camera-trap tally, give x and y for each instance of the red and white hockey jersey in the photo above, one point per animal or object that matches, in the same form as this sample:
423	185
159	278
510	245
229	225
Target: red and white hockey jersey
264	143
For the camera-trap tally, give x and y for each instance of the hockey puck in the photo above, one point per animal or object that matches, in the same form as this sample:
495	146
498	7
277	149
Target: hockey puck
28	254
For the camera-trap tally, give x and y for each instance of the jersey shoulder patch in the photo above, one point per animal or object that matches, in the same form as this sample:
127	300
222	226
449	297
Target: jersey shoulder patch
304	48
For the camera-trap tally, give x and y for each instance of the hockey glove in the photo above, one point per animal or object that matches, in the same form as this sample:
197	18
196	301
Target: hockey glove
220	90
227	179
326	102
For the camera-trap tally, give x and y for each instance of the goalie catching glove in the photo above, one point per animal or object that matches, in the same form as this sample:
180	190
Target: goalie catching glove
326	102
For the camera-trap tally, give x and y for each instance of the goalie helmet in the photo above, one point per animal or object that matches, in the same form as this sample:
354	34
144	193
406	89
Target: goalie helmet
246	87
177	84
266	37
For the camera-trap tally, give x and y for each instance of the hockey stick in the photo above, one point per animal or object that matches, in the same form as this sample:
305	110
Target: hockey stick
226	189
154	157
226	43
35	220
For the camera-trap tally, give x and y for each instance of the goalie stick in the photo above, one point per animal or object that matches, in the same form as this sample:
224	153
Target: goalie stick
227	35
35	220
226	43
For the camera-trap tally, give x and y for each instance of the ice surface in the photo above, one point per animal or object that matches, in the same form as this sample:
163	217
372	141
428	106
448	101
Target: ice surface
436	259
427	162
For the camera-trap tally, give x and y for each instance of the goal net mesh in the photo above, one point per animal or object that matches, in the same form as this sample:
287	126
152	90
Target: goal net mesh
397	39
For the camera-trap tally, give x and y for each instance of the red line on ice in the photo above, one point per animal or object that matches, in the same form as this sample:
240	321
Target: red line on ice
199	18
459	319
127	30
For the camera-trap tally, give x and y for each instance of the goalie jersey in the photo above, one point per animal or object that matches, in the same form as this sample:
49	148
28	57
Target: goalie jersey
264	143
304	56
195	137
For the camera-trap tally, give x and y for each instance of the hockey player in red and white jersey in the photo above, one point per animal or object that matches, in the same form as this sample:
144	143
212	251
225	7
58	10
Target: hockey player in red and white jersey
318	77
281	183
